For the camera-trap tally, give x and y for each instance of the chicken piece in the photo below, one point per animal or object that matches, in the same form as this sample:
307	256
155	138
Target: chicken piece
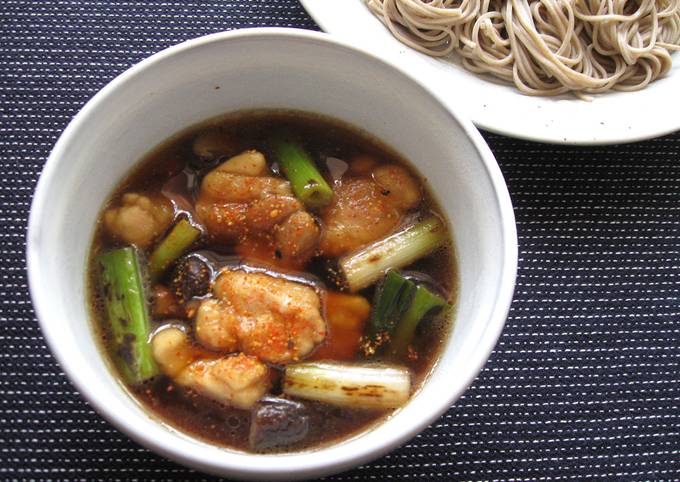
280	319
358	214
280	250
266	213
237	380
275	319
402	189
248	163
224	222
223	185
297	235
239	203
365	209
172	350
139	219
217	326
263	251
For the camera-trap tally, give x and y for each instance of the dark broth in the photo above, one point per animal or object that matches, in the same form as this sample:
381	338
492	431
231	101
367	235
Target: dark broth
330	142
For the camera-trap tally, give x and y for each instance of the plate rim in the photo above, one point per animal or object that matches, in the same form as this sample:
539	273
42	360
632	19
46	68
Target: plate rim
316	13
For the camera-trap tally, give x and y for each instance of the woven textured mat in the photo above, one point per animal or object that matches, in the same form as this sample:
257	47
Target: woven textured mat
584	383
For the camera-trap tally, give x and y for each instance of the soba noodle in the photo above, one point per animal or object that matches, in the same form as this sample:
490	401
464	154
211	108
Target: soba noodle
544	47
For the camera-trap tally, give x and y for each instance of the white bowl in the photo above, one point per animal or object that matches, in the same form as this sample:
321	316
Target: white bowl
267	68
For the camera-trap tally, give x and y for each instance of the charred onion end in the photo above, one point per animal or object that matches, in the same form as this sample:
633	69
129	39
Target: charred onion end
333	274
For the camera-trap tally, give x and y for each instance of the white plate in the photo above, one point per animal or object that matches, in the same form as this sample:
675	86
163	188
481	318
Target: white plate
610	118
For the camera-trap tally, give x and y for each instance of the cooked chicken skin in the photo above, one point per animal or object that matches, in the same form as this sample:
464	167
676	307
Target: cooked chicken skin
221	186
139	219
235	380
298	235
217	326
240	200
401	189
358	214
248	163
236	186
275	319
366	209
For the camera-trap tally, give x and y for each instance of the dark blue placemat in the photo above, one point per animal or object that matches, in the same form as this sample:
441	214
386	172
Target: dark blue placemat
584	384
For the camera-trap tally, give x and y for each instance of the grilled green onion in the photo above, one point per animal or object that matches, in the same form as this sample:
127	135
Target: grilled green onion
181	236
398	307
364	267
391	298
368	386
299	168
422	303
128	316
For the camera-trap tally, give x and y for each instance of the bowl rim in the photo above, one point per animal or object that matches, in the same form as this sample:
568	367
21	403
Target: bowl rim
315	466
